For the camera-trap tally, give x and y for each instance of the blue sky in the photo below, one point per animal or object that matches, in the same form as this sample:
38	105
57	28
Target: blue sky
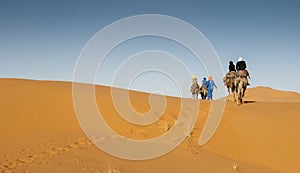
43	39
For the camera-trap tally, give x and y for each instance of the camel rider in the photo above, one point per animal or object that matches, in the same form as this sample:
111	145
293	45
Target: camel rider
241	68
231	67
231	73
241	64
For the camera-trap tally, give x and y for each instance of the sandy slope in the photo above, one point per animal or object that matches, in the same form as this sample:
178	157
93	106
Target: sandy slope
266	94
40	133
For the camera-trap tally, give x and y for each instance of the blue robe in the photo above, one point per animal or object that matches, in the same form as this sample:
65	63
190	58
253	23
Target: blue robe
210	87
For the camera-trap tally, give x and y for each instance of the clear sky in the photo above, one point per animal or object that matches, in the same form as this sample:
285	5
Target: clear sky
43	39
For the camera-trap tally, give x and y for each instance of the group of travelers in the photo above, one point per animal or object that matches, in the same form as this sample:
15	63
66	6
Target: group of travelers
207	86
205	90
239	70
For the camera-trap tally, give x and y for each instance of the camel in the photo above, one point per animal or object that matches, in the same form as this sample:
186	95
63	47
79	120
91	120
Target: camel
203	92
241	83
229	81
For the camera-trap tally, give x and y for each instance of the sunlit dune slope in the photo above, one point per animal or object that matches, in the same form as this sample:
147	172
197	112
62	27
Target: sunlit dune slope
40	132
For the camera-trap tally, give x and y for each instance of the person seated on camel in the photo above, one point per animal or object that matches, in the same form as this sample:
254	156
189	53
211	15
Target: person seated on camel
231	67
231	73
241	69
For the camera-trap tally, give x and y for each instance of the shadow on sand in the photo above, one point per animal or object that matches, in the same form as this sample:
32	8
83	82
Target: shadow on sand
249	101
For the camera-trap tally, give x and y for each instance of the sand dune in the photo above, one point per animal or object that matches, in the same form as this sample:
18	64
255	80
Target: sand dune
266	94
40	133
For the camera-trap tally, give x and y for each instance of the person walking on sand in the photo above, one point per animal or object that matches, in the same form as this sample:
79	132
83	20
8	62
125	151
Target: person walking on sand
204	81
195	88
210	86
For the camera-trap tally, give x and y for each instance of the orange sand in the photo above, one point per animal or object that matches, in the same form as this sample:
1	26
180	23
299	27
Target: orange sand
40	133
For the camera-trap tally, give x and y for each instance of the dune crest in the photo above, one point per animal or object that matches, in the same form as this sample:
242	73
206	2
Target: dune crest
266	94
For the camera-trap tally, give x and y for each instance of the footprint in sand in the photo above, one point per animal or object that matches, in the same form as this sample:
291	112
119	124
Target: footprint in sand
25	160
26	156
163	125
73	146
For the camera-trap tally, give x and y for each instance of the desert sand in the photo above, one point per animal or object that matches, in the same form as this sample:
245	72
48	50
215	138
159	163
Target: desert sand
40	133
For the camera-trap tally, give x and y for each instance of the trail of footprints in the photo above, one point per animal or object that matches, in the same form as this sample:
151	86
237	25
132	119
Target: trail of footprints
21	161
25	157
